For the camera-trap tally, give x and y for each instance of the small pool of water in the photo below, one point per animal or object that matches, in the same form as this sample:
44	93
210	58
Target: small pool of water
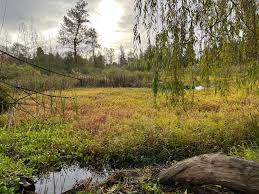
66	179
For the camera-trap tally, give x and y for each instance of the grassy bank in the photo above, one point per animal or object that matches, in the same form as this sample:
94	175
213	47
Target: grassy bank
125	127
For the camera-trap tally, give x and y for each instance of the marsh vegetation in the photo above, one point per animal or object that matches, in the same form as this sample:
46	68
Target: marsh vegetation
123	128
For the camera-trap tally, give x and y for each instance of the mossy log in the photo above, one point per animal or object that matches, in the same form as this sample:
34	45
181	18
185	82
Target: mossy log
214	169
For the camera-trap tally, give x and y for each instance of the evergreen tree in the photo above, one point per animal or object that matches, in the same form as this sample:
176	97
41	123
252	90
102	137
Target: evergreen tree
122	57
74	27
92	41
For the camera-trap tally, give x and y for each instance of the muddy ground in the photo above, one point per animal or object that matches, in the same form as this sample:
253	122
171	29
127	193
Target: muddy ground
142	181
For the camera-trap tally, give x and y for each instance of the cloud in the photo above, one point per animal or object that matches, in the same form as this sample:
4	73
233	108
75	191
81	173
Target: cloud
47	15
126	24
127	21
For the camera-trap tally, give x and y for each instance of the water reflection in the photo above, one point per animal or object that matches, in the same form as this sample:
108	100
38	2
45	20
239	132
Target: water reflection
66	180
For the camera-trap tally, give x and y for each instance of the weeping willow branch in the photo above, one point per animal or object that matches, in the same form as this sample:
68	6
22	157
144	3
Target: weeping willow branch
210	38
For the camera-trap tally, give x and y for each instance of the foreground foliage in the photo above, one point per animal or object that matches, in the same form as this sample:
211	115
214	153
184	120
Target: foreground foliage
126	127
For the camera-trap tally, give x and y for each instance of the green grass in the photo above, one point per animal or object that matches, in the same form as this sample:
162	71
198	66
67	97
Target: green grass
10	170
124	128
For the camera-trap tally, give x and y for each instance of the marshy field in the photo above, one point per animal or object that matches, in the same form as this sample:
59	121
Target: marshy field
125	128
129	97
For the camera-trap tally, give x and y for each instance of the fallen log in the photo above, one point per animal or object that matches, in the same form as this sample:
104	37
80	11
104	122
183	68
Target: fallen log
214	169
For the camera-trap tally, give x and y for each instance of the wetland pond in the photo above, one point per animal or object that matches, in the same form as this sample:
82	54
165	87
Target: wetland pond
67	179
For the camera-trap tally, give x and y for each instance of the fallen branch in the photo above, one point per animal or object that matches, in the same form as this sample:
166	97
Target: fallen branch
214	169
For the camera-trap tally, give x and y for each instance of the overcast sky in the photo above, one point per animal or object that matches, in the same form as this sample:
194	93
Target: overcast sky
113	19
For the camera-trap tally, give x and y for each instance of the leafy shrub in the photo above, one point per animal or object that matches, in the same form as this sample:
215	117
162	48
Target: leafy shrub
5	101
117	77
29	77
10	170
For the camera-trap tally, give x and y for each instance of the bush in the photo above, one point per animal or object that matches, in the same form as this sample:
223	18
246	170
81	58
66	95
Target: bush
5	101
117	77
31	78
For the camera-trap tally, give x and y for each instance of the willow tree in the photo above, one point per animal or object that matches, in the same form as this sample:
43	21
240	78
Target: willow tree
198	35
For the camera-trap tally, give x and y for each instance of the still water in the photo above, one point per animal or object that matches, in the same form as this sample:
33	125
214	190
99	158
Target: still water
66	179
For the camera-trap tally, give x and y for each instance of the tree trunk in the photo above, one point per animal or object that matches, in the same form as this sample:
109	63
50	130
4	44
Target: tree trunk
76	41
214	169
255	31
75	51
93	54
